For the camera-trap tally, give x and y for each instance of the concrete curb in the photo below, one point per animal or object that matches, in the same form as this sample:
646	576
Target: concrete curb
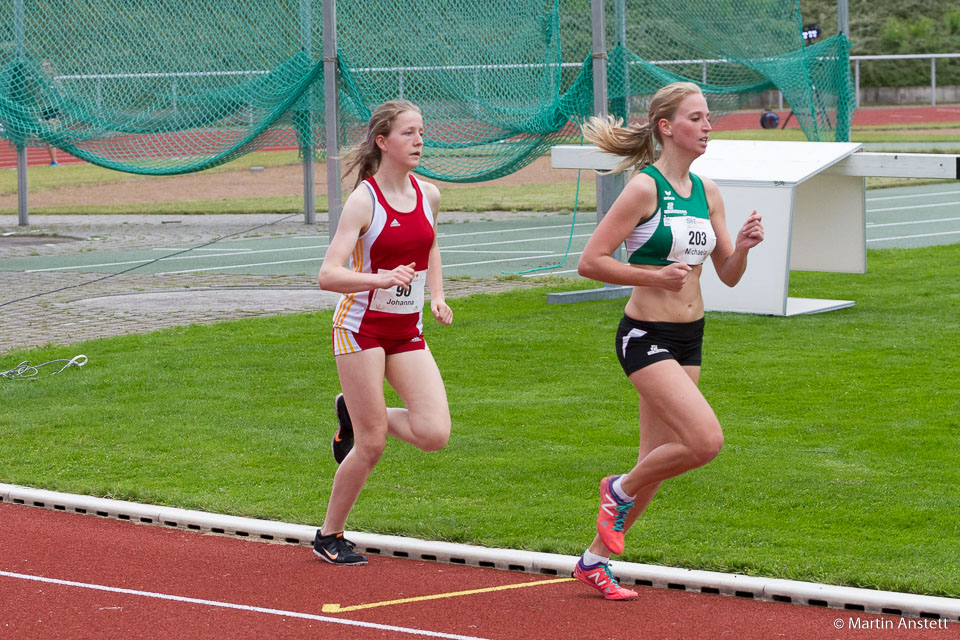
773	589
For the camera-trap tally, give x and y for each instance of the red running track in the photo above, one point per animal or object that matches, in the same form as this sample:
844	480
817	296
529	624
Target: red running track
120	579
867	116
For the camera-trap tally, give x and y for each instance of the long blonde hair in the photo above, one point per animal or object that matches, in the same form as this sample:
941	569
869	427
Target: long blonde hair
365	156
636	143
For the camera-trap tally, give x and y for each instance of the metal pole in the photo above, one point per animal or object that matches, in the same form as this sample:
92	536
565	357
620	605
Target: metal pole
608	186
599	59
856	82
23	216
331	121
843	17
933	81
622	108
309	198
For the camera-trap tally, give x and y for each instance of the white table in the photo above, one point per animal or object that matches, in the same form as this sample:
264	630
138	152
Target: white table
813	207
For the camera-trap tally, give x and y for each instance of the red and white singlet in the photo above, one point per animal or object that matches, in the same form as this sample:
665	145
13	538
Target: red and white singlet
394	238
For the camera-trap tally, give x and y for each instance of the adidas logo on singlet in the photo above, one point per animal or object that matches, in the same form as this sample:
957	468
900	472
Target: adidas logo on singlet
395	223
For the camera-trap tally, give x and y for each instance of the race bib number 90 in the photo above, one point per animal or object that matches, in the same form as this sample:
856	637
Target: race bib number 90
400	299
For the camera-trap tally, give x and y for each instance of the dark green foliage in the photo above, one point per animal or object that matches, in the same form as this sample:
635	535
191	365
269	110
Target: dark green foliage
889	27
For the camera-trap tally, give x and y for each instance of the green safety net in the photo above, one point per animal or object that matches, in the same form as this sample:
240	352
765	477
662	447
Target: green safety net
161	86
176	86
739	54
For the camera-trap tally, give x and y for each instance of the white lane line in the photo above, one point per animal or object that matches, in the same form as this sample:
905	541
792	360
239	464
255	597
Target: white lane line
870	225
87	266
918	235
184	257
239	607
470	264
491	251
220	250
240	266
526	256
247	252
480	233
490	244
916	195
915	206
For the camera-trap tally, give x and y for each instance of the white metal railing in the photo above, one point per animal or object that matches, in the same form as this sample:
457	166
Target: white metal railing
904	56
476	68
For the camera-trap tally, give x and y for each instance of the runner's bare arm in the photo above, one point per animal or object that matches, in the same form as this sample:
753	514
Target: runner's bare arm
438	305
636	202
354	221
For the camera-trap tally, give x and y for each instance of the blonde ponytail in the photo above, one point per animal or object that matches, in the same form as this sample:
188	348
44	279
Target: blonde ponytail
637	143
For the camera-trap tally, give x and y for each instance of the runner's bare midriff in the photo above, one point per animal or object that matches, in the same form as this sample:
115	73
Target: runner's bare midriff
656	304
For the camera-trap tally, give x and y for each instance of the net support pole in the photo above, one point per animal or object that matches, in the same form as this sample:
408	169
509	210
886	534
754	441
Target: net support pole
331	121
843	17
309	196
621	107
19	27
608	186
23	218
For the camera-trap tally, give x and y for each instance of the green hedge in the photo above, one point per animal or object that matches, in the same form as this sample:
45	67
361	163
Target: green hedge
890	27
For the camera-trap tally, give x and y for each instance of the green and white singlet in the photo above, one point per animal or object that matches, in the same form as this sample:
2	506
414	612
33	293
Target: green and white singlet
679	231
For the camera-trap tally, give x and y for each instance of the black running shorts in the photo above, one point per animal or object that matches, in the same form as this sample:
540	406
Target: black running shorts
641	343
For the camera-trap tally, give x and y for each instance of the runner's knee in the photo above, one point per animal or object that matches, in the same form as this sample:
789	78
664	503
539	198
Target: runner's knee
432	433
706	446
369	452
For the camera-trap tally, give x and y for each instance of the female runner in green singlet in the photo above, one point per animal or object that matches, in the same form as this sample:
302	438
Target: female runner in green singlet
671	221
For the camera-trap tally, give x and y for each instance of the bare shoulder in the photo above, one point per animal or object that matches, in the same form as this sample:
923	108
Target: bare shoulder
429	189
359	206
709	186
641	192
641	185
432	195
712	192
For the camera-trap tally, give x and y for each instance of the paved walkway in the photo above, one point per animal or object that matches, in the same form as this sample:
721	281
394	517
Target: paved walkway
138	303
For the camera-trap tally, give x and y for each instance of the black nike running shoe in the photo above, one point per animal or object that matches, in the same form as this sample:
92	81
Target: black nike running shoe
336	549
343	440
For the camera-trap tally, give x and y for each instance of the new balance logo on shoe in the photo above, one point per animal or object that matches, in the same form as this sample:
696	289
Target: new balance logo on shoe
609	507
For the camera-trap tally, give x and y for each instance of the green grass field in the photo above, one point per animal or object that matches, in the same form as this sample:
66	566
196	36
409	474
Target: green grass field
840	463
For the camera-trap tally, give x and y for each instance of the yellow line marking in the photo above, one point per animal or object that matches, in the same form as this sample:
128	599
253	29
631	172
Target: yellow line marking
336	608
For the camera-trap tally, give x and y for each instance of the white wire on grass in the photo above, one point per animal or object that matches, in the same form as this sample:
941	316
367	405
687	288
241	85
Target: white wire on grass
27	371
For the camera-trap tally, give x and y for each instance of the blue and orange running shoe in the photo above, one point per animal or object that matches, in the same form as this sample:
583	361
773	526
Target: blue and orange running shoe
599	577
611	516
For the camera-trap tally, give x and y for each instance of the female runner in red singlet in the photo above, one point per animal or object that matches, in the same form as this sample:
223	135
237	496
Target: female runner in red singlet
383	254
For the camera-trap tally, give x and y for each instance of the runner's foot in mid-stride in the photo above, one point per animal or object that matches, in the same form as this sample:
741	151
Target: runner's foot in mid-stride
613	511
599	577
336	549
